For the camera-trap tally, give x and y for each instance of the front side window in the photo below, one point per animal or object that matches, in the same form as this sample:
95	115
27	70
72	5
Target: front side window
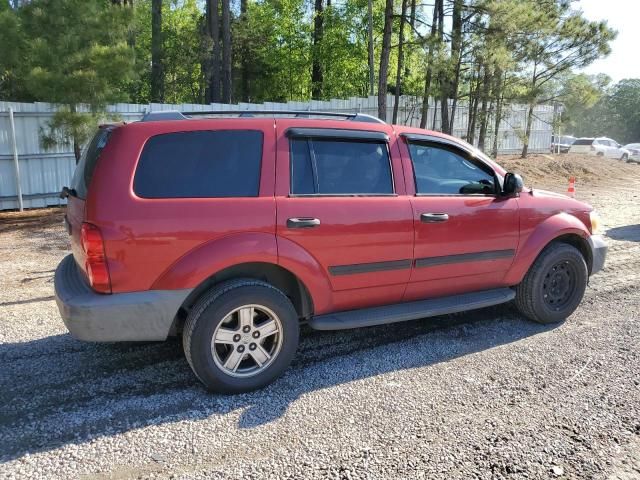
340	167
445	171
200	164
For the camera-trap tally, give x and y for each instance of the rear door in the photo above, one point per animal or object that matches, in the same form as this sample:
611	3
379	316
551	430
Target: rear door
466	235
79	187
340	198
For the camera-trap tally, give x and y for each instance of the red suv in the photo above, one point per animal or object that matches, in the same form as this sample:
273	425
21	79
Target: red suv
233	231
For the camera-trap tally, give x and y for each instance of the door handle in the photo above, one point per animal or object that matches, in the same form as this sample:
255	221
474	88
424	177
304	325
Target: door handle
302	222
433	217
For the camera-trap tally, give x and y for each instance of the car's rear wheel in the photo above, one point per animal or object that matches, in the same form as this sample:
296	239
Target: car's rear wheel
600	154
240	336
554	285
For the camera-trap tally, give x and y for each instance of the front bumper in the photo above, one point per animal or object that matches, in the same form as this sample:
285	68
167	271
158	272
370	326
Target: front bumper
598	247
91	316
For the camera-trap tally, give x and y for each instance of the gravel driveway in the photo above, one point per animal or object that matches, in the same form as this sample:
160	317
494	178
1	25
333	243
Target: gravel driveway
484	394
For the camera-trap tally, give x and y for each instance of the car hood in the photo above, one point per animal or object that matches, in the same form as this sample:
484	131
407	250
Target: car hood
565	200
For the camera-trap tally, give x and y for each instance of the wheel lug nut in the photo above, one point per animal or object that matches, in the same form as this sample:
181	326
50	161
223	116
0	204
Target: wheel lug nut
252	346
256	334
241	348
236	338
246	328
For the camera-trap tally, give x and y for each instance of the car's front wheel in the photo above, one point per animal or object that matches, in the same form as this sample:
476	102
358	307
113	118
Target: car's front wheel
240	336
554	285
625	157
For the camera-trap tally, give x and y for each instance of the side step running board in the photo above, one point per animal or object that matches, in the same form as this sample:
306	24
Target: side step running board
401	312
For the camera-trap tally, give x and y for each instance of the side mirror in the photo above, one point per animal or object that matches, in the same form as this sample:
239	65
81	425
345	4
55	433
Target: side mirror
513	184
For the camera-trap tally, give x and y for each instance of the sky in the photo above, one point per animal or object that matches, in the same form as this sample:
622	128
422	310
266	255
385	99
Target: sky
623	16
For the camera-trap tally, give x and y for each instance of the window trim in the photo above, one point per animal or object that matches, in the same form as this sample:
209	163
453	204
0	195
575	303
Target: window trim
314	167
466	153
337	134
215	130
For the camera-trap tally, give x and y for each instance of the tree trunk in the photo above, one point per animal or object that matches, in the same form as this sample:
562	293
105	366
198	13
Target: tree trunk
372	78
527	133
456	57
400	63
412	23
435	114
473	106
499	96
244	61
214	31
427	79
226	52
157	50
443	77
316	67
384	60
484	120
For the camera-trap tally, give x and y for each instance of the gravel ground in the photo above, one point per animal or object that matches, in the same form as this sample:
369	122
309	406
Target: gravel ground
484	394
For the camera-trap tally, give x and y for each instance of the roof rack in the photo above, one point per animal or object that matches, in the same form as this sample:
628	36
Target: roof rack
176	115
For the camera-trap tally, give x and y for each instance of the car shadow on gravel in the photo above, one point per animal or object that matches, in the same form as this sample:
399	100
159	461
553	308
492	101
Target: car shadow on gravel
56	390
628	232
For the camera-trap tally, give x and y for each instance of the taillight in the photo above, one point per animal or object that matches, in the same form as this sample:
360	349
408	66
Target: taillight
96	263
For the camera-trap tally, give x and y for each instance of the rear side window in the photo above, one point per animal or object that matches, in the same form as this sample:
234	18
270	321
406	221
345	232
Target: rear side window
87	164
340	167
200	164
584	141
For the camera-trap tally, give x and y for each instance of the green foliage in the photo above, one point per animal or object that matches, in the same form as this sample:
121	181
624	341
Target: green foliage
11	53
612	111
184	51
77	51
95	52
69	52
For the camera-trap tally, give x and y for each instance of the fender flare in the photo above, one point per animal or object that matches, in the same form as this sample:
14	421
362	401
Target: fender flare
202	262
553	227
303	265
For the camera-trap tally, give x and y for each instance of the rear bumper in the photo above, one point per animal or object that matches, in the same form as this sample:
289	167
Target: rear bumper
598	247
91	316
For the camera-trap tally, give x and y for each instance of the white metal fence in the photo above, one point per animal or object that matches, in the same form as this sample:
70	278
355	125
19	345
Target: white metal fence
43	172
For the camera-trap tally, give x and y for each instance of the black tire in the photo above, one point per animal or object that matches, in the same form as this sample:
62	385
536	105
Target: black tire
554	285
625	158
210	311
600	154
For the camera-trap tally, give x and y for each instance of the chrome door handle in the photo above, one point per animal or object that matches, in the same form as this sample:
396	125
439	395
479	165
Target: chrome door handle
302	222
433	217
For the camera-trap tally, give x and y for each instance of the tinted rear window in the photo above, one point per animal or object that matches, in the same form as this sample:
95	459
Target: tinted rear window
209	164
339	167
87	164
583	141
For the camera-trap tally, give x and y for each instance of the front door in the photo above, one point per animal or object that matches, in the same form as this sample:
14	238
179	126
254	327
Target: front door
342	207
466	235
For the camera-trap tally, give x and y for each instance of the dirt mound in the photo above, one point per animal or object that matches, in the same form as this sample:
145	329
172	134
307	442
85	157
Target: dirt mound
554	169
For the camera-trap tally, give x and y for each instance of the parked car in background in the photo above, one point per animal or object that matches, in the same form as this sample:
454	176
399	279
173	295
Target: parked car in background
634	152
561	143
601	147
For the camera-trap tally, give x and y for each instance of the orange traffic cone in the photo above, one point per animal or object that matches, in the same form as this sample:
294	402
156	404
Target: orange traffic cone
571	191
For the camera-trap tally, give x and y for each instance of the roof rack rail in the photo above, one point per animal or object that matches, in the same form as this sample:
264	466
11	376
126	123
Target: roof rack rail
176	115
162	115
